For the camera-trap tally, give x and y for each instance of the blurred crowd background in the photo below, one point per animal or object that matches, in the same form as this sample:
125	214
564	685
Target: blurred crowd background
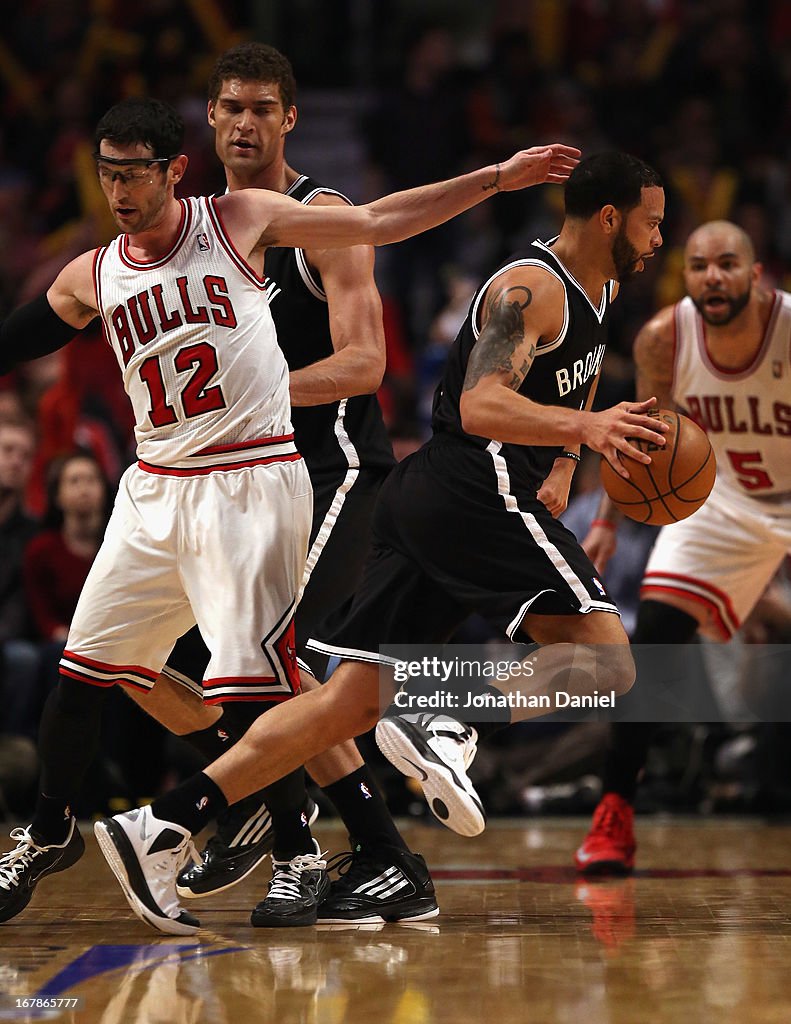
392	93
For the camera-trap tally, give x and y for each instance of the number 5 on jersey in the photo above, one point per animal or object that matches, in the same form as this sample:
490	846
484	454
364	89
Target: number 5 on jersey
196	397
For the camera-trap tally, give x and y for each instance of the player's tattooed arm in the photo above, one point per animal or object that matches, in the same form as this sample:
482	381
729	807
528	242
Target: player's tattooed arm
502	349
654	353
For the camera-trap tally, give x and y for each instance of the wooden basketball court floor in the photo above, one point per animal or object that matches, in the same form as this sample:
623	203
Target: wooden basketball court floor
701	933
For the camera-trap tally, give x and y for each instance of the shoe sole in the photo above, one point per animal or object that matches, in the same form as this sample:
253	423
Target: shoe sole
189	894
113	843
265	922
604	867
447	797
383	918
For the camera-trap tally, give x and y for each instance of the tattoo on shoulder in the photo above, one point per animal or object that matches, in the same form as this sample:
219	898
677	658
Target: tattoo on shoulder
502	333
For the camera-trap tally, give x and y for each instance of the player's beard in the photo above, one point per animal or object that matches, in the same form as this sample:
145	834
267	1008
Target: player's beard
624	256
733	306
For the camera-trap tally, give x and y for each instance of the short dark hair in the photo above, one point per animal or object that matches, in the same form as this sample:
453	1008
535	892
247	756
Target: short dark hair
53	514
608	178
151	122
254	62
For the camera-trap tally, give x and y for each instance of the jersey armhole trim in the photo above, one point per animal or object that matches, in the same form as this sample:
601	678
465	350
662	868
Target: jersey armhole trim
98	258
223	237
308	279
540	349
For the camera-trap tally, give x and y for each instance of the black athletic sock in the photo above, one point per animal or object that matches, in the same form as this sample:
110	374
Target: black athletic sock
286	802
659	642
68	742
51	819
193	804
238	716
626	757
214	741
285	799
364	812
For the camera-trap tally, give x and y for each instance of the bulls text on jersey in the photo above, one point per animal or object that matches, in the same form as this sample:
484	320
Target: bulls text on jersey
144	316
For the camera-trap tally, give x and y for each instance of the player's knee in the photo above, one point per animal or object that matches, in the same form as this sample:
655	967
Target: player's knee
618	669
661	623
354	691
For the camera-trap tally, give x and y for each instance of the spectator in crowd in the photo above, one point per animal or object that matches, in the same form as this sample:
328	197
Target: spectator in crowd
19	660
19	665
57	561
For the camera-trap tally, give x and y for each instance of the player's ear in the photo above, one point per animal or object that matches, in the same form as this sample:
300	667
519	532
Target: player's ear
609	219
755	274
289	119
210	114
176	168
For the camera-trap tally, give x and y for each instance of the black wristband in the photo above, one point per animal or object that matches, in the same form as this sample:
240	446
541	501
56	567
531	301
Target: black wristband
569	455
32	331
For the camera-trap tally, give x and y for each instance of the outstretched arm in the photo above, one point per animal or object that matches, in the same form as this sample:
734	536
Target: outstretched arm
256	218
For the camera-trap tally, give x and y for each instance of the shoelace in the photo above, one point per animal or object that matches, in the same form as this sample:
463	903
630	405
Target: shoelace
287	877
13	862
353	866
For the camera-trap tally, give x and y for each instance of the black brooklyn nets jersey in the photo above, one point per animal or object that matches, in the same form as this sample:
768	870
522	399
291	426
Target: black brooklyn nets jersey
562	373
339	435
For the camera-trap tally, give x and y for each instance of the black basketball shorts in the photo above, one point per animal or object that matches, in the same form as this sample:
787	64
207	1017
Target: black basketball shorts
451	537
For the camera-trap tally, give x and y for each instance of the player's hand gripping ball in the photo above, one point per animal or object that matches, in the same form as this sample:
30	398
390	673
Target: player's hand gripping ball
677	481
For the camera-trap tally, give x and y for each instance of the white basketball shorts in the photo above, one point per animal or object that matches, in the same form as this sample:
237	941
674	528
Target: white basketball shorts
226	550
722	558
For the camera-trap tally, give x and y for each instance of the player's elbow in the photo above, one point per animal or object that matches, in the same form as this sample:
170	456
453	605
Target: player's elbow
370	372
475	413
382	227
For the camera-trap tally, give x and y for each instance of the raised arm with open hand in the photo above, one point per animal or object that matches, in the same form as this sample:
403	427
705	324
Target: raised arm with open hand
553	163
257	218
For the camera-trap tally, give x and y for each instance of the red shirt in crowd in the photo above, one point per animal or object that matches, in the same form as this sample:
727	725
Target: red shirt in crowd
54	577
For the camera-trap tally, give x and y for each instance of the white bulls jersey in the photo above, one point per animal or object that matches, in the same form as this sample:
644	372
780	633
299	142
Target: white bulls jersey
746	413
196	344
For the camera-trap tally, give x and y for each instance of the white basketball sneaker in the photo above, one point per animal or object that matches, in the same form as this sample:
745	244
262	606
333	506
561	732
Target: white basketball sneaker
437	751
146	855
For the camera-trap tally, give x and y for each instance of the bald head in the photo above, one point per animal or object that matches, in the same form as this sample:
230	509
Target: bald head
722	235
720	270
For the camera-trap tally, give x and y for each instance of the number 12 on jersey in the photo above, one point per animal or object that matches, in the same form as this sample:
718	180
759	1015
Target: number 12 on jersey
195	396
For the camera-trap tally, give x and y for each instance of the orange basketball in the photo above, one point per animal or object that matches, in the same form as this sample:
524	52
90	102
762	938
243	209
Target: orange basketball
677	481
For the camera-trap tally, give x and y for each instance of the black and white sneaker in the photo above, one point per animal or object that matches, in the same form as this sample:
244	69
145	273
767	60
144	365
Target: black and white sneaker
377	885
22	868
297	889
437	751
243	840
146	855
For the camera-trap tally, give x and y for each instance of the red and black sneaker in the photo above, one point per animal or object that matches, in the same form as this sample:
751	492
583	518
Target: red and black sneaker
609	847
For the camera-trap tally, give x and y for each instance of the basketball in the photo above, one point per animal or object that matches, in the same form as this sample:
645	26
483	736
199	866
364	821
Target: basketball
677	481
